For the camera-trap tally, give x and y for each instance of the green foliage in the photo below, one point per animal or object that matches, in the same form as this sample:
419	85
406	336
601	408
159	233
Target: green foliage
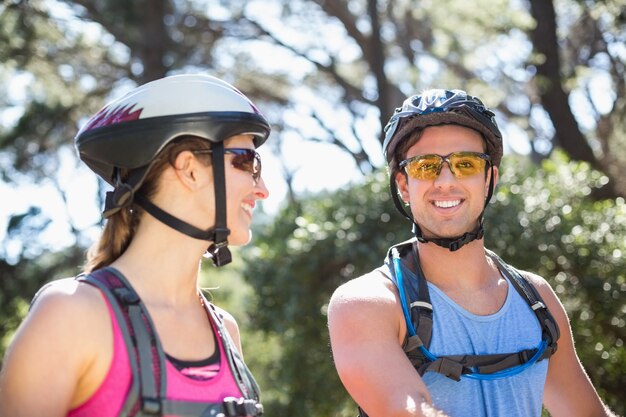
544	221
541	220
294	265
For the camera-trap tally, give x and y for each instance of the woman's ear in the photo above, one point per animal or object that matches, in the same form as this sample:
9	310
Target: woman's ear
403	186
187	169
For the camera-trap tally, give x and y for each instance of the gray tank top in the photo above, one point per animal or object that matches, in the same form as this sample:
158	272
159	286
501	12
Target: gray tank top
456	331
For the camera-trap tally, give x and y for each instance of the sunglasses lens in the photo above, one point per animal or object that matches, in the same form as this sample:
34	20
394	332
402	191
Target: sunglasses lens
462	164
426	167
466	164
248	160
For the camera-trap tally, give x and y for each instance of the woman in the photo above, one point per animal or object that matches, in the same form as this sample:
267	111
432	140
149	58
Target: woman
134	336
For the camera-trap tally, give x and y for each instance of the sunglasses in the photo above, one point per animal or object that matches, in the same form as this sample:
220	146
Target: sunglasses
462	165
245	159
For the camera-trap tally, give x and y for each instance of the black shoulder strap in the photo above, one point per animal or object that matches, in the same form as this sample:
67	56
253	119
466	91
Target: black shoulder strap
149	378
403	269
413	291
549	326
147	396
245	379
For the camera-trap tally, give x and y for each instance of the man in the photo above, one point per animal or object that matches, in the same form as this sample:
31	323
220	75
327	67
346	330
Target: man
443	149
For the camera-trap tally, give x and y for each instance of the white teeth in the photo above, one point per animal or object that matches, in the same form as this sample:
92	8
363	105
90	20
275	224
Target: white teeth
247	208
447	203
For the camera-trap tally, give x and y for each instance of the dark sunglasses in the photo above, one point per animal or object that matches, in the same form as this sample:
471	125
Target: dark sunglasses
245	159
462	165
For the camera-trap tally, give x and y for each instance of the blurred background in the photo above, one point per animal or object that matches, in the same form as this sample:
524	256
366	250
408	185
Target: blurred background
328	75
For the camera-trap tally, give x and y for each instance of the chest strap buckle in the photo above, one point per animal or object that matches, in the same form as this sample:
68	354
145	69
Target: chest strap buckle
237	407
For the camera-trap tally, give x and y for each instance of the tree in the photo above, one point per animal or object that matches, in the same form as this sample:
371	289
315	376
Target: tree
565	65
564	88
343	66
327	71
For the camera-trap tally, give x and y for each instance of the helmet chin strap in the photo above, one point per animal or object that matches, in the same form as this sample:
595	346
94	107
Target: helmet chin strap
187	229
455	243
218	250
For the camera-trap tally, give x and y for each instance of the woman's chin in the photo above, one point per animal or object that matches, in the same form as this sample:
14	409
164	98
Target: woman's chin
240	239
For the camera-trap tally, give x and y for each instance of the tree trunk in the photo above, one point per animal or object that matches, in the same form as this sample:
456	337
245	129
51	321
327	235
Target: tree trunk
554	98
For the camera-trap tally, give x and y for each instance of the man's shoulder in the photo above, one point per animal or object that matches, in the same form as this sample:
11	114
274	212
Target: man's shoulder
370	298
370	287
537	281
542	285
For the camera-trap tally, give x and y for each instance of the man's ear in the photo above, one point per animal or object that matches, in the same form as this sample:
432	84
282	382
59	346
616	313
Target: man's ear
403	186
493	171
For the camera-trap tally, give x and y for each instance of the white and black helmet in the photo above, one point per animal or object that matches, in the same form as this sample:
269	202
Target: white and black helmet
128	133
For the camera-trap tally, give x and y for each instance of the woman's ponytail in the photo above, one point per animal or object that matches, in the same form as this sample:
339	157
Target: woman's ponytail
119	230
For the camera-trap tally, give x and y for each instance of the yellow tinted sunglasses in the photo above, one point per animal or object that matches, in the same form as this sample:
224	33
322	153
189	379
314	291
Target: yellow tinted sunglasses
462	165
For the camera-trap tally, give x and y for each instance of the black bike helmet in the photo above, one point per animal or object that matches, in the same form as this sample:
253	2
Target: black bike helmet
128	133
433	108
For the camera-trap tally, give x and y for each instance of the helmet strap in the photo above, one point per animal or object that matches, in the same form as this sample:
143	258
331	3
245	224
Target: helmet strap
173	222
218	253
218	250
395	197
123	194
453	244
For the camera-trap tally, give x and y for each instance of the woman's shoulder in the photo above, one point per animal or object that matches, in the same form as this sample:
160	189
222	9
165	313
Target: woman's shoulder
67	295
74	313
66	336
230	323
227	319
223	314
69	308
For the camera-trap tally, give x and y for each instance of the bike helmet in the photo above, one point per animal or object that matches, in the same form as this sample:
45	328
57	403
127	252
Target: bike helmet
128	133
433	108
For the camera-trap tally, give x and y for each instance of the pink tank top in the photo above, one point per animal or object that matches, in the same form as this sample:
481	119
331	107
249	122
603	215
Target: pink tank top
109	398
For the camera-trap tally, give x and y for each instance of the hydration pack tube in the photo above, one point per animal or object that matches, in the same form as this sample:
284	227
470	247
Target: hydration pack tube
146	397
403	269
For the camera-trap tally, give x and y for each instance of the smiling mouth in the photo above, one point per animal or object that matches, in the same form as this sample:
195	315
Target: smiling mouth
247	208
446	203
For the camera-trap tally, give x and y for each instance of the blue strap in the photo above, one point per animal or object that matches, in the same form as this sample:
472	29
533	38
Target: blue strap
405	309
397	266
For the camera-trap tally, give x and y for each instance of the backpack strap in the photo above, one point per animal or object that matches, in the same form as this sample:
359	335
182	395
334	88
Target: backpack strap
245	380
414	297
403	269
147	360
549	327
147	396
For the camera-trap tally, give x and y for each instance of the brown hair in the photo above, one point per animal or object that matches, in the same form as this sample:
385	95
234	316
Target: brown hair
120	228
409	134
